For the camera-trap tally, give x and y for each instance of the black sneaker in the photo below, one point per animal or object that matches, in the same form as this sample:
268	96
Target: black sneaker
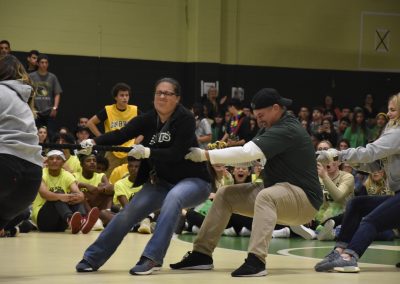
194	260
398	265
85	266
252	267
145	266
13	232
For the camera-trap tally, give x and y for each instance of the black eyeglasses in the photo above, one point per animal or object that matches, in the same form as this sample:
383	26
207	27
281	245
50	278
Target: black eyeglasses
165	93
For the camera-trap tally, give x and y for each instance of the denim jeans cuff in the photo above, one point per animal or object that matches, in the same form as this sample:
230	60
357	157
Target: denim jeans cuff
153	259
352	253
342	245
91	262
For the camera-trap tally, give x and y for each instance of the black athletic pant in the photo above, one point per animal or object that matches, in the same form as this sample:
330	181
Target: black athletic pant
53	216
19	184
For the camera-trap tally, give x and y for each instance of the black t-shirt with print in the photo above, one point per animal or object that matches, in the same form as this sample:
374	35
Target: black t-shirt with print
169	143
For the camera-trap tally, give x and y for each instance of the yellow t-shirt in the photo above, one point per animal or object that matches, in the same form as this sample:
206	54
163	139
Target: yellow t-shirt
124	187
116	120
95	180
60	183
74	164
119	173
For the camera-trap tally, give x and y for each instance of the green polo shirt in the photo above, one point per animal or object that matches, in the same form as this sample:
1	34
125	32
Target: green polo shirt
290	157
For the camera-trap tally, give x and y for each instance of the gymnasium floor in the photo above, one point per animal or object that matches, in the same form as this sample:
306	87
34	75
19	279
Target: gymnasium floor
51	258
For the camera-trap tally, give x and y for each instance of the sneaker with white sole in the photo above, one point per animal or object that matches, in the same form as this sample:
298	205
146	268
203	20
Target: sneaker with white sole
145	266
346	265
85	266
327	232
324	265
195	229
75	222
98	226
230	232
144	227
194	260
244	232
89	221
252	267
282	233
304	232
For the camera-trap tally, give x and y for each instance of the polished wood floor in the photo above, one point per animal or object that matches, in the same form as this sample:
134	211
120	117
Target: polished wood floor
51	258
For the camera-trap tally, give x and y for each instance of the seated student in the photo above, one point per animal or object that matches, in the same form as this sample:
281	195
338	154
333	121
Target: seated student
194	217
366	216
376	185
96	188
102	164
72	163
124	192
82	133
119	173
338	188
58	204
238	225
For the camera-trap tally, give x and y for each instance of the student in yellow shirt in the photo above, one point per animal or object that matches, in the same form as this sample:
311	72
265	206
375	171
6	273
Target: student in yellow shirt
95	186
115	117
58	204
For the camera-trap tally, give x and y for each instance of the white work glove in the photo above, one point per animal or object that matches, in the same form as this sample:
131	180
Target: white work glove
87	146
327	156
139	152
196	155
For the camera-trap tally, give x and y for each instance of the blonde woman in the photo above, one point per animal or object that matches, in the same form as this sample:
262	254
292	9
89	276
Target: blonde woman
366	216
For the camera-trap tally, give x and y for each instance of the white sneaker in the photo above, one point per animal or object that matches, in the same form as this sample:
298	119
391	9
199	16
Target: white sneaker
144	227
304	232
327	232
98	226
282	233
230	232
244	232
195	229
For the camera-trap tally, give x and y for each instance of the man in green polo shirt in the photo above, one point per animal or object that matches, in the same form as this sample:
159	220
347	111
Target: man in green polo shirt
291	194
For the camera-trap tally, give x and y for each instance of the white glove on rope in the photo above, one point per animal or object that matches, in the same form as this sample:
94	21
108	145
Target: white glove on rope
327	156
196	155
139	152
87	146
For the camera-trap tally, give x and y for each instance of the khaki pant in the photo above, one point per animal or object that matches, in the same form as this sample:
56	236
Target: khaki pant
282	203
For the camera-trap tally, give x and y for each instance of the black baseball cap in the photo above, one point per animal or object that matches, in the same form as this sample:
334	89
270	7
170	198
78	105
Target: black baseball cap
267	97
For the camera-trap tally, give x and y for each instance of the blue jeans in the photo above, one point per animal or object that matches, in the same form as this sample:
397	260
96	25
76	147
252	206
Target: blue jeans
170	198
364	218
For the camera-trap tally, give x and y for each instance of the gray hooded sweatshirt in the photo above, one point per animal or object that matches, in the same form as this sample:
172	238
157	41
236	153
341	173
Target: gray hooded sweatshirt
383	151
18	133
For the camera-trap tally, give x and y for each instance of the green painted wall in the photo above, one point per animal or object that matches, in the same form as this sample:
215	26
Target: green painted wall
320	34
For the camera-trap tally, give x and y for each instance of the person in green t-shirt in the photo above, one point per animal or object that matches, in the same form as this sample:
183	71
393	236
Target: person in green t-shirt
290	195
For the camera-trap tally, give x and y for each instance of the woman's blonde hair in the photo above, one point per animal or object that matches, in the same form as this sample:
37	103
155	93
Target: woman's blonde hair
12	69
396	101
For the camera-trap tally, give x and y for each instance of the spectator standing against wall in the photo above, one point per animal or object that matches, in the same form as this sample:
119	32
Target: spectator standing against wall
115	117
48	94
5	47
